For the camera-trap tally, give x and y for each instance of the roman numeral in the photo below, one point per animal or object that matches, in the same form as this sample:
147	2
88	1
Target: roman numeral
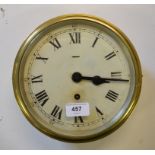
116	74
110	55
111	95
56	112
94	43
55	43
75	37
99	111
38	57
42	97
78	119
37	79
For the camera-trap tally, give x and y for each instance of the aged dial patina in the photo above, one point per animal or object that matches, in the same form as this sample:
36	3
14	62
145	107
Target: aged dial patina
77	62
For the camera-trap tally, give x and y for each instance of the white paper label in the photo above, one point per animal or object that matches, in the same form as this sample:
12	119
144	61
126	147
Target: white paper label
77	109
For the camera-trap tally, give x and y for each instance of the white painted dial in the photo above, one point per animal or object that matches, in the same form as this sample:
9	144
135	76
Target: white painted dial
74	64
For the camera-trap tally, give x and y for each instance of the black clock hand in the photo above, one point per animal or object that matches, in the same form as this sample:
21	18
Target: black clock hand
97	80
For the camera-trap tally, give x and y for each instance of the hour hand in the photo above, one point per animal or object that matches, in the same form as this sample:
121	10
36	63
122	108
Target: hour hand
96	80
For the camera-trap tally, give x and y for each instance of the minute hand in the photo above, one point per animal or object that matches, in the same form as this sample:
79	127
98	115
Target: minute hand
114	79
97	80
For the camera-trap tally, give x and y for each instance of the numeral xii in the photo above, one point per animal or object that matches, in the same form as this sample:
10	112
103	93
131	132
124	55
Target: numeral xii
75	37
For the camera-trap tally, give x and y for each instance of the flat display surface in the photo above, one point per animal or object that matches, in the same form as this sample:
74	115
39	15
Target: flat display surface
136	21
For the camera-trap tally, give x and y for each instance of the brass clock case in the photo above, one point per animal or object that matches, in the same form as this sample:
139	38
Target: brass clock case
48	26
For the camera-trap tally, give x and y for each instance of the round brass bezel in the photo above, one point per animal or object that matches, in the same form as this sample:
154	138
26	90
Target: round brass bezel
37	32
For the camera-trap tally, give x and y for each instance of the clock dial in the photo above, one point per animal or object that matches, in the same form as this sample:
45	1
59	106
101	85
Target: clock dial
77	79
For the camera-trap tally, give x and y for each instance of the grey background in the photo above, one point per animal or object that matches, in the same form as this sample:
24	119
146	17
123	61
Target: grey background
18	21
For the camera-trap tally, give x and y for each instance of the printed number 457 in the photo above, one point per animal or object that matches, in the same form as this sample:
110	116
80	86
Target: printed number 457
77	108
